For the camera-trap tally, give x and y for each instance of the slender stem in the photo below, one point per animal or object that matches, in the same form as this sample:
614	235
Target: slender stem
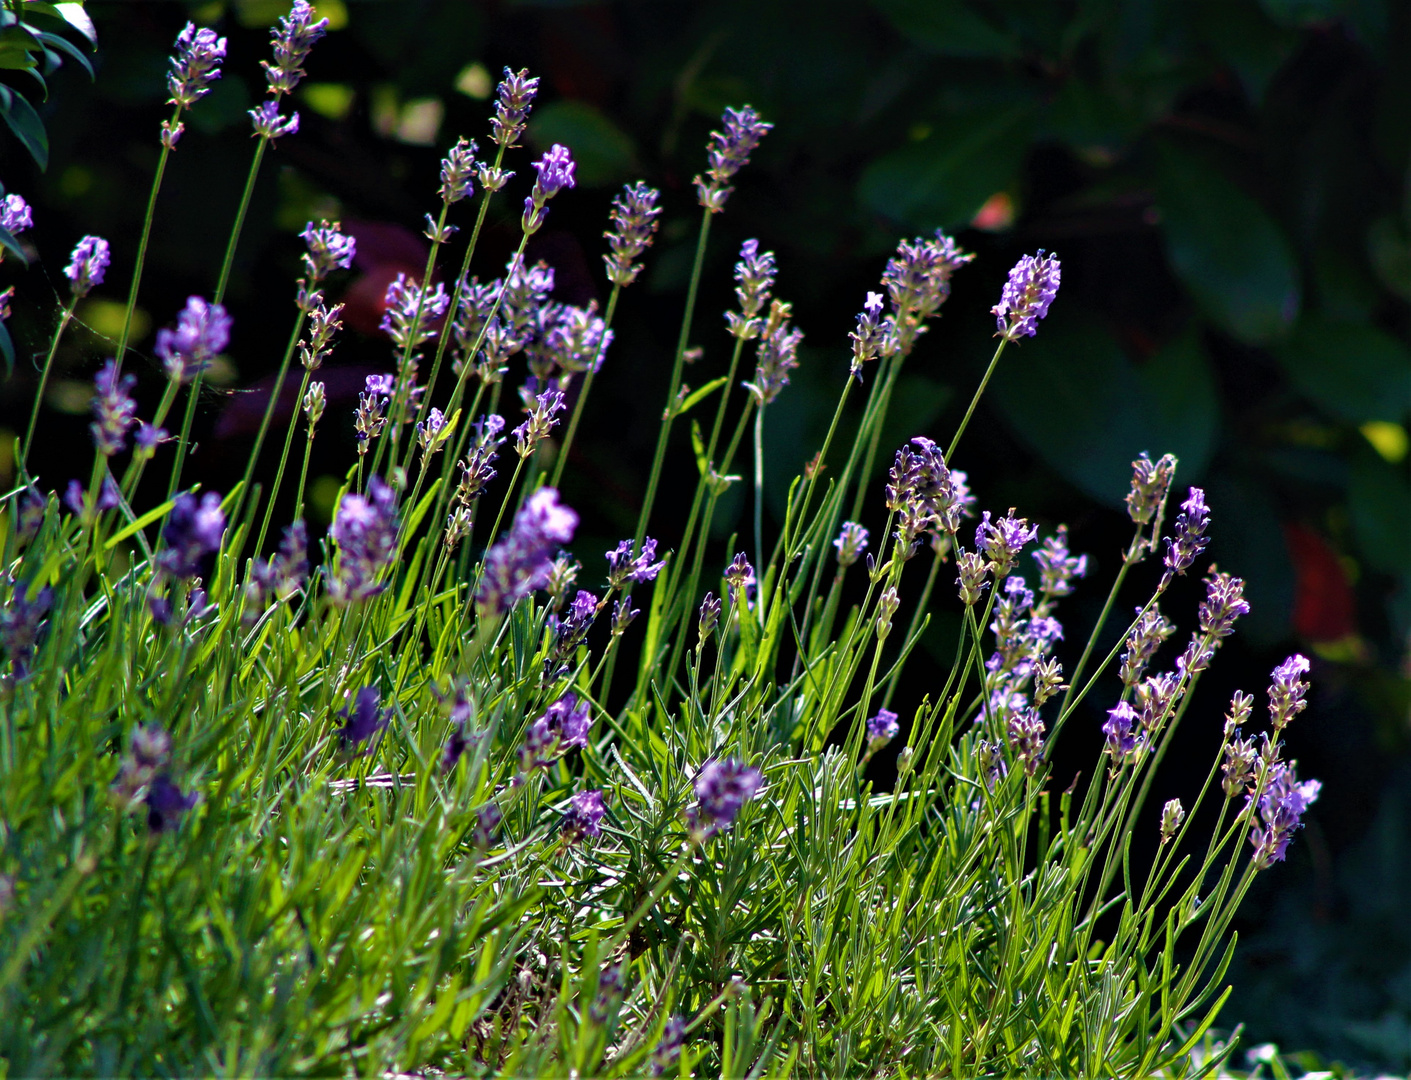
675	387
222	281
303	475
283	461
759	488
44	379
915	625
583	394
979	393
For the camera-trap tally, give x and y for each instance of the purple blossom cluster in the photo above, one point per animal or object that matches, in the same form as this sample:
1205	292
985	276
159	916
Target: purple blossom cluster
555	172
365	530
917	279
1151	480
869	339
1004	540
293	38
1146	636
279	576
22	623
328	249
520	563
584	818
1122	731
457	168
114	410
1281	806
411	312
727	153
709	617
776	354
573	627
202	331
15	214
193	530
881	729
87	265
927	496
722	788
624	568
514	97
851	543
564	725
268	122
1189	538
477	467
194	66
634	219
754	281
1224	603
1057	566
361	721
1288	691
371	415
543	410
1025	299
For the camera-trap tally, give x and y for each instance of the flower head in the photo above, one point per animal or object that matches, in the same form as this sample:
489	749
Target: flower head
328	249
668	1049
1150	482
881	729
520	563
1224	603
1004	540
114	411
1150	630
267	121
192	531
555	171
870	336
1123	735
754	277
709	616
410	313
776	354
195	65
917	280
728	152
362	720
457	167
634	219
622	567
1287	691
202	331
972	577
851	543
1057	568
584	817
1281	806
1032	285
514	96
15	214
1172	814
1190	538
87	264
165	804
722	787
365	530
293	39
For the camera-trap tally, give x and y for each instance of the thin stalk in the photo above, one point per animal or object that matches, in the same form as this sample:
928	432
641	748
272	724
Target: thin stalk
226	264
44	379
583	394
915	625
675	387
759	488
979	393
283	462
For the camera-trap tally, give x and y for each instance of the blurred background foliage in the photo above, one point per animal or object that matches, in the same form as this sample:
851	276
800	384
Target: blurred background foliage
1228	183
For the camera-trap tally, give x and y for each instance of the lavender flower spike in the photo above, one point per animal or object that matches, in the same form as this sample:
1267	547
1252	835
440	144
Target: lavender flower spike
365	530
362	720
1282	806
881	729
1150	482
410	311
1123	738
1224	603
584	817
722	788
202	331
1004	540
851	543
870	336
1287	691
1032	285
15	214
165	804
21	622
555	171
728	153
87	264
634	219
114	411
515	95
293	39
521	562
328	249
1190	538
195	66
192	531
269	124
623	568
457	168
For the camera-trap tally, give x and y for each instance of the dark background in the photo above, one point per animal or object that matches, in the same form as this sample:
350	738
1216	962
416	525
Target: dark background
1226	182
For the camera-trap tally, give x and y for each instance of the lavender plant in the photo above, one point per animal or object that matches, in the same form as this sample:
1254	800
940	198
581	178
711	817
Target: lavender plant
373	800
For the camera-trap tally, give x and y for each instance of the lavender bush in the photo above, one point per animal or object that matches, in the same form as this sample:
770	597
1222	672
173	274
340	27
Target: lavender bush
407	796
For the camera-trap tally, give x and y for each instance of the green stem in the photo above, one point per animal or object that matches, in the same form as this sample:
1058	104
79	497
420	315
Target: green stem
979	393
759	488
303	475
583	394
44	379
283	462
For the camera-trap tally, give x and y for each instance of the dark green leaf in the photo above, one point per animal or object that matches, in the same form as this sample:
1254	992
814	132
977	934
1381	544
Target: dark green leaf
10	244
1087	410
943	180
54	41
948	27
1379	499
604	153
1350	369
26	125
1226	250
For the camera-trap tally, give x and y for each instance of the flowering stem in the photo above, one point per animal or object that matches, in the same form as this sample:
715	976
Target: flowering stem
979	392
224	279
914	627
587	385
303	473
283	461
133	476
44	379
759	488
675	387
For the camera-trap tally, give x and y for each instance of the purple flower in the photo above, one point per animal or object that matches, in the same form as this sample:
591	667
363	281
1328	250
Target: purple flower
543	417
870	335
195	65
454	749
1238	767
362	720
15	214
114	411
328	249
1190	538
1150	482
165	804
76	499
267	122
709	616
881	729
1057	568
574	626
520	563
740	573
22	622
192	531
202	331
754	277
584	817
477	467
1004	540
1025	731
365	530
564	725
555	171
1123	736
1282	806
87	264
634	220
1155	697
851	542
281	575
776	355
1172	814
457	167
515	95
722	787
973	570
990	757
622	567
1287	691
432	432
929	497
1151	629
668	1050
729	152
917	279
293	39
622	615
371	415
1224	603
410	311
1032	285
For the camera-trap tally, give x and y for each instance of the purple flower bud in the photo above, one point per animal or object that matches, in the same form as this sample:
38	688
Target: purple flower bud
776	355
851	543
1190	538
431	432
328	249
22	623
709	616
515	95
1238	767
722	787
555	171
293	39
362	720
365	530
754	274
457	167
1155	697
1287	691
584	817
1032	285
622	567
543	418
1151	629
1025	731
739	573
917	280
521	562
1172	814
881	729
380	385
87	264
870	335
973	570
1057	568
165	805
1282	806
1224	603
192	531
202	331
728	153
1124	739
411	312
564	725
574	626
267	122
114	411
634	219
668	1049
622	615
1150	482
1241	706
1004	540
15	214
195	65
76	499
